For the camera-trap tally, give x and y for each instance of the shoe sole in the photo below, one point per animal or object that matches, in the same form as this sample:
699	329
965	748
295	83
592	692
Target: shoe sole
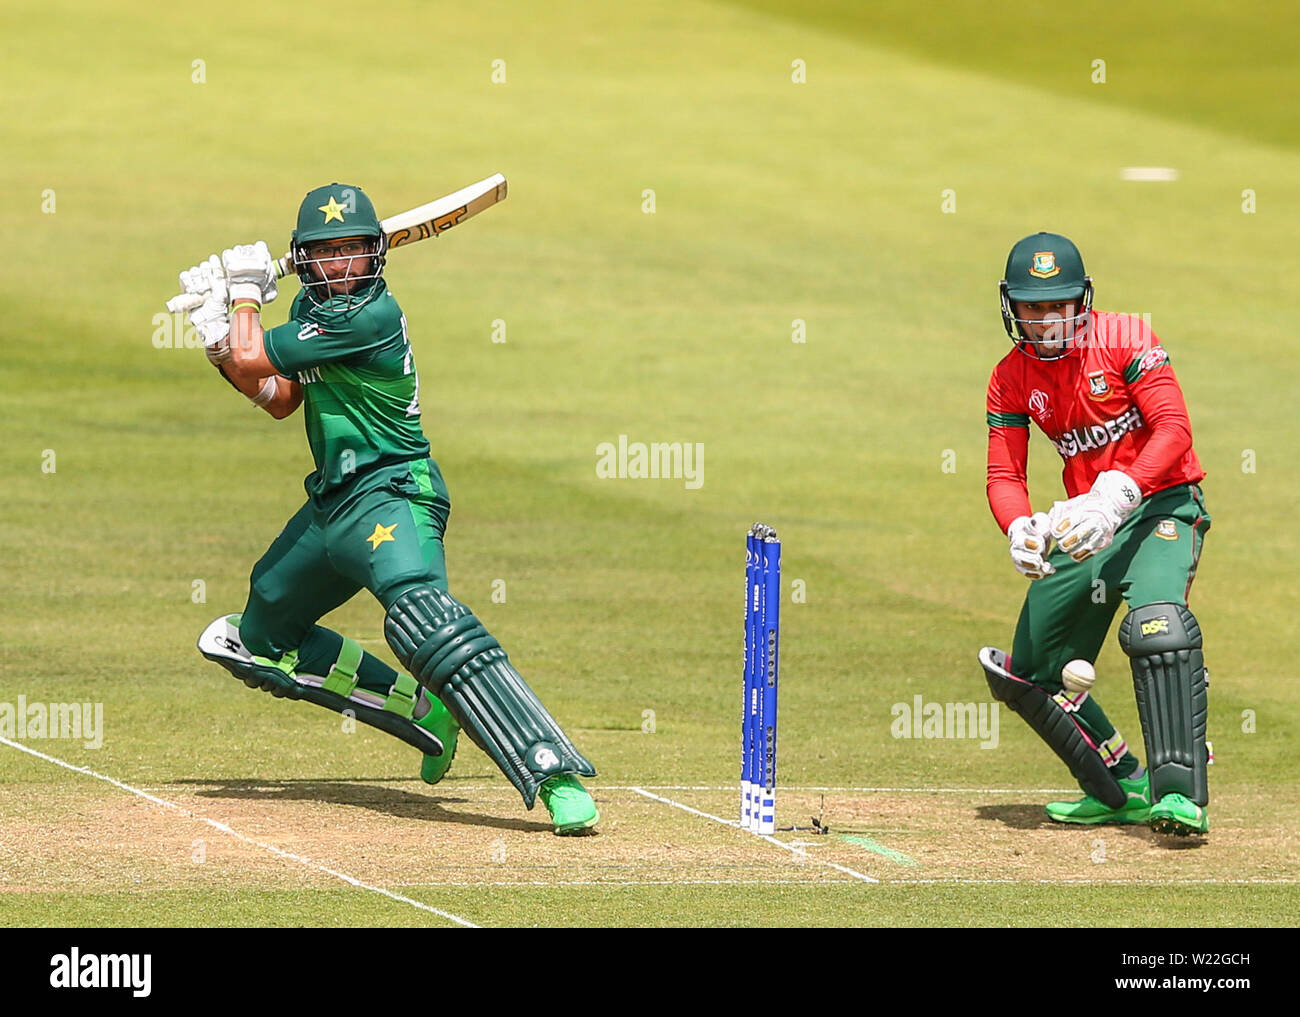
1174	827
578	829
1133	820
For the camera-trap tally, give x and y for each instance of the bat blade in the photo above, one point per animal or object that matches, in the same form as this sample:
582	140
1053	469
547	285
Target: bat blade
441	215
432	219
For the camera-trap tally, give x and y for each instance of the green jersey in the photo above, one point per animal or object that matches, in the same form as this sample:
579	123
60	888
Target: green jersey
360	390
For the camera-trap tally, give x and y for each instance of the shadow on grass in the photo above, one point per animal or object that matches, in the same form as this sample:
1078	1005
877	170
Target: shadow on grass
1018	817
363	793
1032	817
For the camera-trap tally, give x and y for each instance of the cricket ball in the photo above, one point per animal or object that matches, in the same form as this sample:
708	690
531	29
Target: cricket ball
1078	676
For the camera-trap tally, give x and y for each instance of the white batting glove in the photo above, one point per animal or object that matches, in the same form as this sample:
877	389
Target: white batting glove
1087	523
1030	544
250	270
211	319
195	287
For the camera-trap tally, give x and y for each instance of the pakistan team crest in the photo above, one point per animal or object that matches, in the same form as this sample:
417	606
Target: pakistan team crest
1045	265
333	210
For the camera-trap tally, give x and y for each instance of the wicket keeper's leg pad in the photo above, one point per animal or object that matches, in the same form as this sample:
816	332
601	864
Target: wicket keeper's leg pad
1055	726
1163	642
441	642
335	691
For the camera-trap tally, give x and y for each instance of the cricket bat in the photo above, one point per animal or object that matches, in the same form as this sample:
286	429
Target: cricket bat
431	219
401	229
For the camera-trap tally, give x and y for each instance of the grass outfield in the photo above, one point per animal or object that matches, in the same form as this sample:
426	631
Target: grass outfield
139	489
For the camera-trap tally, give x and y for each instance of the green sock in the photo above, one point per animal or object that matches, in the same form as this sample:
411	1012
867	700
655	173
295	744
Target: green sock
320	650
1127	768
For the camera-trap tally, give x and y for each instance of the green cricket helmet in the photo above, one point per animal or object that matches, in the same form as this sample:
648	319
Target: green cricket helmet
330	213
1046	268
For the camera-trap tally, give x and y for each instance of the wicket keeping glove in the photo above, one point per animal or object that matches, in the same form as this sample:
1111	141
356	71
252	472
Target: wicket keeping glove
1030	543
250	271
1087	523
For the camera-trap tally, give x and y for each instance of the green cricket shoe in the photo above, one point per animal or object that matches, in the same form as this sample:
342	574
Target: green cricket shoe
571	808
1088	811
1179	816
439	722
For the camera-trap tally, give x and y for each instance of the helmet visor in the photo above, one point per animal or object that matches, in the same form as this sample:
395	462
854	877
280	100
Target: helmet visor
1046	328
338	268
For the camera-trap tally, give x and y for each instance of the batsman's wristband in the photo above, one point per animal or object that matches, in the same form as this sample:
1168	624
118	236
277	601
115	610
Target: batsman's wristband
220	352
245	291
244	302
266	393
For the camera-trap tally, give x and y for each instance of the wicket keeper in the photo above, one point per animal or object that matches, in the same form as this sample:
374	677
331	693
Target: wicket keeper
374	518
1130	531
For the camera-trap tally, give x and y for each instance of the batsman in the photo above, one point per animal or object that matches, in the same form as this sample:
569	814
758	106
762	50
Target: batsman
1129	533
376	511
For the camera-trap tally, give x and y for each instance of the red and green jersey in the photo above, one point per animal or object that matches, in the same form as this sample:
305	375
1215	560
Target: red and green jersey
1112	404
360	390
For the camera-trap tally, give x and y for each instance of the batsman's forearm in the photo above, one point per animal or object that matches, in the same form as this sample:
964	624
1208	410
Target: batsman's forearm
248	359
276	394
250	370
250	386
246	384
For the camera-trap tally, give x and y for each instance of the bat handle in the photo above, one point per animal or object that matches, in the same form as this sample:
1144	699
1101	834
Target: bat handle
284	266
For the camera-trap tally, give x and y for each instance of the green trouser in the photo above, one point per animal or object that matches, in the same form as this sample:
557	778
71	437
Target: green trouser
383	532
1066	615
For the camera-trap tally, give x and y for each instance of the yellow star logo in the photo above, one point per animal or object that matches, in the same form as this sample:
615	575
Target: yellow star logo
381	534
333	210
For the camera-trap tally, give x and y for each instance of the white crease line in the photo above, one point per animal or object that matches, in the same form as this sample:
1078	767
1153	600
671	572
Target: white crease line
279	852
830	881
771	840
642	882
1095	882
508	790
